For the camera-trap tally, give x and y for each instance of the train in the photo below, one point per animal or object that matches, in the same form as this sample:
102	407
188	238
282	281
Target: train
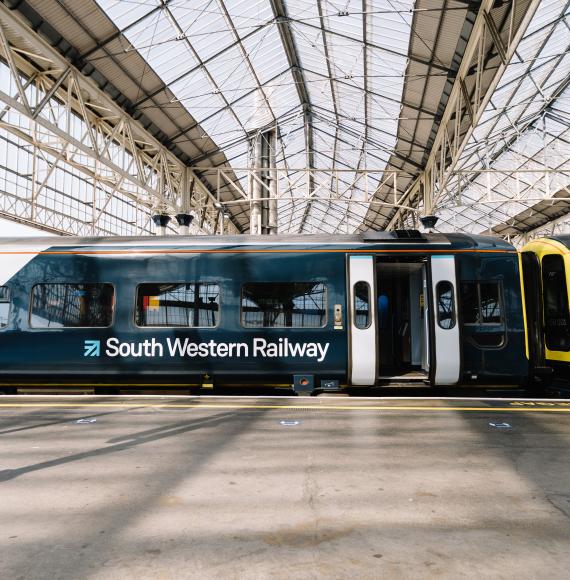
307	313
546	277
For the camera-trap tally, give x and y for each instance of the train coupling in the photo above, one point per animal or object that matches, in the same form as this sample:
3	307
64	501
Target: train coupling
543	371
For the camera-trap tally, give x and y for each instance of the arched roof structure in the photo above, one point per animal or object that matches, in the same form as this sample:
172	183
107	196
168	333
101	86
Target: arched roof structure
381	107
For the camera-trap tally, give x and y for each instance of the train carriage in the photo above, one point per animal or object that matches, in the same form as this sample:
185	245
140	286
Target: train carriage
546	276
309	313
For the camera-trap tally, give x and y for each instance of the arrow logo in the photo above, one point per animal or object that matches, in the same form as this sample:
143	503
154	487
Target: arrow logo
92	348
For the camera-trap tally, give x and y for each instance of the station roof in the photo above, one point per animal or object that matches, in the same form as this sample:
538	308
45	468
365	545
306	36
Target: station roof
525	128
350	85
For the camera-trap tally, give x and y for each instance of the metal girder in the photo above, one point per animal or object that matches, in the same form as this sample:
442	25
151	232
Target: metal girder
367	127
452	136
77	130
307	209
283	25
548	228
332	186
369	44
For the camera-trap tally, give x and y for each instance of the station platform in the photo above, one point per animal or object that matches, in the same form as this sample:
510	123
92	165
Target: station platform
170	487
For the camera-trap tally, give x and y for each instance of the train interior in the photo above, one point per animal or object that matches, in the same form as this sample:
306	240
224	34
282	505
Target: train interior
401	319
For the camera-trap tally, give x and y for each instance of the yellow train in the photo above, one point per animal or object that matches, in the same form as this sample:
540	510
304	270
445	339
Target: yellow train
546	280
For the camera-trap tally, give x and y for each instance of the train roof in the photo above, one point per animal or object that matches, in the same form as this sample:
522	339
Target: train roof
407	238
565	240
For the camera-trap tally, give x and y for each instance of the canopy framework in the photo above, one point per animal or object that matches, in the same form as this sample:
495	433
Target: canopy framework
522	139
74	162
383	109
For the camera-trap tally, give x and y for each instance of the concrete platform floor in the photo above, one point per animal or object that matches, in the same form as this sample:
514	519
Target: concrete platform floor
181	487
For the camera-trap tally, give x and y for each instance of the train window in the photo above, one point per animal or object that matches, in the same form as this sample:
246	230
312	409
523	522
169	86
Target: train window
489	339
556	313
481	303
490	303
445	305
283	305
71	305
4	305
362	314
194	305
470	302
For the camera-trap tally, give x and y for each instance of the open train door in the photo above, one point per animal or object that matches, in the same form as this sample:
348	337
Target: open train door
446	351
362	308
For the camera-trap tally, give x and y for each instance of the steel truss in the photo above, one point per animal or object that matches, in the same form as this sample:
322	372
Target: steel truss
552	228
469	97
339	189
343	188
72	161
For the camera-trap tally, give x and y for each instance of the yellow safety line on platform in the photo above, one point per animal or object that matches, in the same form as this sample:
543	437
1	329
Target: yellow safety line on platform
284	407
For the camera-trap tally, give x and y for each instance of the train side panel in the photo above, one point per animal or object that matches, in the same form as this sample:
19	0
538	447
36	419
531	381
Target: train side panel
492	323
59	353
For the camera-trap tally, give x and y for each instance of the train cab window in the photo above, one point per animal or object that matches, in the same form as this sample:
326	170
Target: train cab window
4	305
445	301
362	314
283	305
556	312
72	305
189	305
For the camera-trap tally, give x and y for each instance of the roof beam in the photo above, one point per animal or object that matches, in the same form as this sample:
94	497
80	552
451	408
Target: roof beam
369	44
334	103
102	116
451	139
285	33
380	145
201	65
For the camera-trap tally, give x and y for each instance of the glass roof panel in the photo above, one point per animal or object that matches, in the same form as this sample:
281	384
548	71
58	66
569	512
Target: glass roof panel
516	130
226	62
125	13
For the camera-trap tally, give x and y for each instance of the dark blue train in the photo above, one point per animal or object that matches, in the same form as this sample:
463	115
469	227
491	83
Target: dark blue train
307	313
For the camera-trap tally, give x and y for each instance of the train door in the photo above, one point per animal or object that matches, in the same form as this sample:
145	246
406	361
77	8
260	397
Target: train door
401	319
425	321
446	349
363	346
533	308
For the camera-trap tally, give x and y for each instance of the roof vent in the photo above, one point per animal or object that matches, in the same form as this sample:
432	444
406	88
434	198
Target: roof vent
408	235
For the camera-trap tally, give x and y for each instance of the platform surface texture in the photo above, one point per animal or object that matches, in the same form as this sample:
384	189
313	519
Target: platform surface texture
253	488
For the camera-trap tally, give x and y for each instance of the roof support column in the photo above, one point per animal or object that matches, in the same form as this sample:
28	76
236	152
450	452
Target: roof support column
272	224
255	225
263	183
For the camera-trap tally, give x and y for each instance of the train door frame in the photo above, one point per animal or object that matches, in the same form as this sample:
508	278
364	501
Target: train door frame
531	271
403	335
440	348
362	360
445	347
428	338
